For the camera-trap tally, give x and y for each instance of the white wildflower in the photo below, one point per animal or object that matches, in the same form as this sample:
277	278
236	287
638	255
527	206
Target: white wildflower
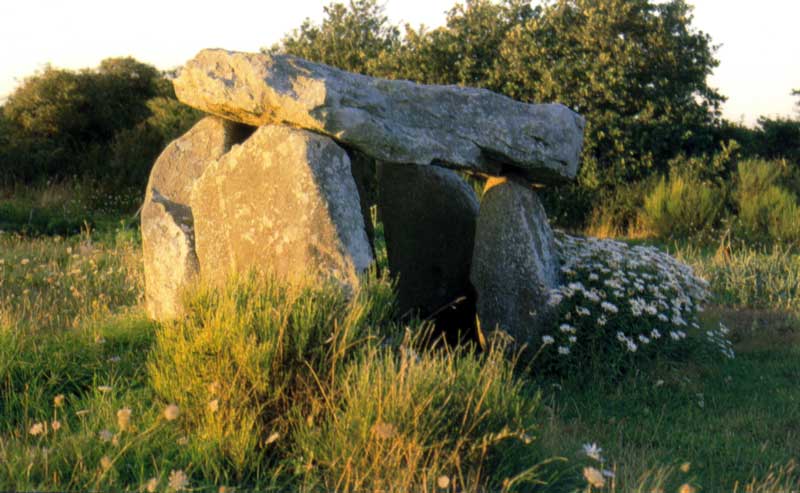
178	480
547	340
609	307
555	298
563	350
592	451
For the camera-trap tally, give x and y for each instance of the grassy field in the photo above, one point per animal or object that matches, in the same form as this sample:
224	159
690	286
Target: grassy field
267	388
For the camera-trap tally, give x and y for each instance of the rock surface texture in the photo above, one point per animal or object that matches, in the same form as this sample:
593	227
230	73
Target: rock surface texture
293	196
429	216
170	262
515	263
392	121
283	202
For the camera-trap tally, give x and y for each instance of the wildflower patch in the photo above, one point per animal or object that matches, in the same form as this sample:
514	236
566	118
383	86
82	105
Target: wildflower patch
621	305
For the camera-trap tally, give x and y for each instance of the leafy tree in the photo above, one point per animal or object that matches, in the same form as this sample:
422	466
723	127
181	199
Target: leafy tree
60	123
635	69
796	92
353	37
465	50
779	138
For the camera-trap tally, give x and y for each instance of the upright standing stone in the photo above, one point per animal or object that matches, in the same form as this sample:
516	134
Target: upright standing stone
429	216
365	175
285	203
170	262
514	264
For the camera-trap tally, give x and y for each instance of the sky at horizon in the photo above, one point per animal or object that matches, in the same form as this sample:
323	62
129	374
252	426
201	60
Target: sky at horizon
759	49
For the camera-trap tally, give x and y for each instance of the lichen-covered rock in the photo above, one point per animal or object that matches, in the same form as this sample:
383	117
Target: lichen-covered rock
170	263
284	203
185	158
515	262
429	216
390	120
169	258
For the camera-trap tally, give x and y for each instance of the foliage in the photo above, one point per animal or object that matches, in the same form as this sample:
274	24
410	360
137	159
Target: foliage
63	208
617	212
767	210
466	49
61	123
258	346
354	37
622	306
779	138
682	207
635	69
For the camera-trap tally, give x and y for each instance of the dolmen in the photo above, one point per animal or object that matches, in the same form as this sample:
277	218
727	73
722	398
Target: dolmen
285	173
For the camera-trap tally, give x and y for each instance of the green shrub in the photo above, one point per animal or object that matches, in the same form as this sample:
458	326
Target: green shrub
681	207
616	212
766	209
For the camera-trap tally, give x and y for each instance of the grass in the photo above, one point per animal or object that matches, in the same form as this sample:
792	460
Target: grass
750	278
303	390
732	422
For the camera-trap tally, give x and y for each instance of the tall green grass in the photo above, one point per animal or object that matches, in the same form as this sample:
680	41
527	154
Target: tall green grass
302	386
52	283
748	277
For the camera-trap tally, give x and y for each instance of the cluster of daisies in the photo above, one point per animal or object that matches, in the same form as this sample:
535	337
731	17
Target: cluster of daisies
626	299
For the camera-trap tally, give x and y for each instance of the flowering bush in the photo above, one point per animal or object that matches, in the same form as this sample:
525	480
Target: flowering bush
621	304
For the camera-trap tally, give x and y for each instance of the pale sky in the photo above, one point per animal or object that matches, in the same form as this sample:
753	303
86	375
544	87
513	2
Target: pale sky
759	53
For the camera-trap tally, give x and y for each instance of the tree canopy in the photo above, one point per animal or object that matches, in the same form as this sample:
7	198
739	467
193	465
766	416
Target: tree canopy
61	123
636	69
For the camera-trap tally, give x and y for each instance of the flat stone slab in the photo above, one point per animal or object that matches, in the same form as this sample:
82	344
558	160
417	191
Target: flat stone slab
390	120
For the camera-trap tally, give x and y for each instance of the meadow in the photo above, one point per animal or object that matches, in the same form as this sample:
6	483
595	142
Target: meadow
262	387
